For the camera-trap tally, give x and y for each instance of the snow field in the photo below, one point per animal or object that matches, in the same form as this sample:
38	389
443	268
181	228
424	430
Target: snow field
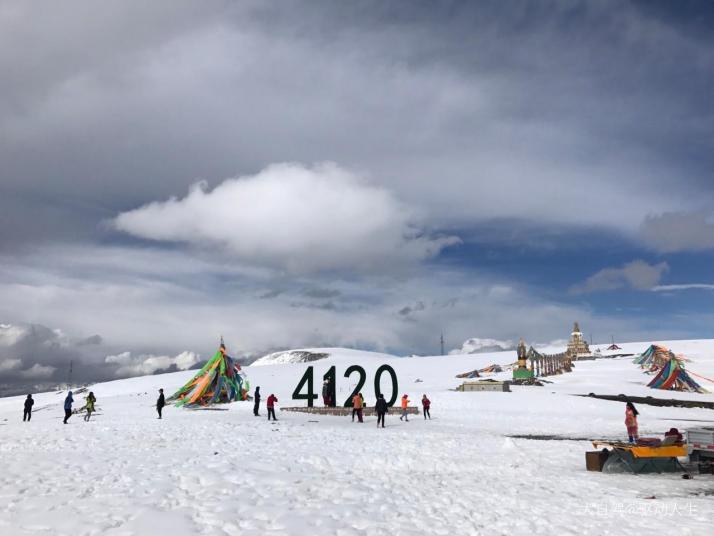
230	473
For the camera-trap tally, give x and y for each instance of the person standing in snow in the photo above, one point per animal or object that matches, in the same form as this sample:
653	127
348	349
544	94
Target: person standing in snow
426	404
256	400
68	406
27	414
272	399
631	421
326	394
381	408
354	409
405	405
89	405
357	402
160	402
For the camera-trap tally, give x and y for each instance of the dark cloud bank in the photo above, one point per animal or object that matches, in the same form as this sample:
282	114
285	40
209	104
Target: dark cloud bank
292	174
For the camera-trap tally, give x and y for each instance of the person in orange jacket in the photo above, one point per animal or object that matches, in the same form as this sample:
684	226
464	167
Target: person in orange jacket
357	406
354	409
405	405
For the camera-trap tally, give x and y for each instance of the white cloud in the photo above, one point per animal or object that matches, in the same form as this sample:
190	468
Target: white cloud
636	274
292	218
477	345
684	286
38	372
145	364
10	334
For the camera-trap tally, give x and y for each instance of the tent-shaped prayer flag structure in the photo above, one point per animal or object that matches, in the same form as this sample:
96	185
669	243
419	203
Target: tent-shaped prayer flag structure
655	357
673	377
220	380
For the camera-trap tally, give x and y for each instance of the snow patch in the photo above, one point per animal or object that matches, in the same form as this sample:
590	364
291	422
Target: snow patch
289	356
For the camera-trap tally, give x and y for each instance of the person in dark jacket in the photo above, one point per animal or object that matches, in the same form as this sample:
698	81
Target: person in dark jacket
326	393
381	408
256	402
426	404
27	414
160	402
272	399
68	406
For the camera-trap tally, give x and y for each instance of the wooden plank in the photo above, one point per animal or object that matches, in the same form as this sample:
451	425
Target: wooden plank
342	411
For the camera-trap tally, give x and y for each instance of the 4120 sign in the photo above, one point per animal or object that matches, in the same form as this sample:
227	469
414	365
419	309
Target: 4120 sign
307	384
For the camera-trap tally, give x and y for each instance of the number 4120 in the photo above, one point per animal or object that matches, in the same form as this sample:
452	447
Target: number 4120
307	382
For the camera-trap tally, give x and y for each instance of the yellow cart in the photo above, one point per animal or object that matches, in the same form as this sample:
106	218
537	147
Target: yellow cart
630	457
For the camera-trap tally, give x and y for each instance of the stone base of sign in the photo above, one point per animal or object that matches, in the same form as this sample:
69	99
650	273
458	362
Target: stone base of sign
342	411
503	387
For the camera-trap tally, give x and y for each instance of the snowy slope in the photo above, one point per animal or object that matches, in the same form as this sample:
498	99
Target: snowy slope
229	473
309	355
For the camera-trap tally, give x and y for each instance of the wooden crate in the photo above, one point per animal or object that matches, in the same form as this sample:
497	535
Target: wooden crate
595	459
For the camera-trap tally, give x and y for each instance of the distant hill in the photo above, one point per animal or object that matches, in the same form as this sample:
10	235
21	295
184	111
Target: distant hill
482	346
307	355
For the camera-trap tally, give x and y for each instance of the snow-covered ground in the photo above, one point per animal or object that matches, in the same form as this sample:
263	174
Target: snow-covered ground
228	472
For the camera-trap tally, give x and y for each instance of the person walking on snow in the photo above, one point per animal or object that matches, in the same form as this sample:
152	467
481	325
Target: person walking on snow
426	404
631	421
89	405
256	400
357	406
326	393
27	414
405	405
272	399
68	406
160	402
381	408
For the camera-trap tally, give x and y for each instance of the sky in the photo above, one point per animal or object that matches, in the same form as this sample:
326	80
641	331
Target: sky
365	174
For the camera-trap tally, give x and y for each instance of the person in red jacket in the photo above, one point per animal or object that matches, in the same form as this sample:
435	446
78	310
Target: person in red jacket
631	421
426	404
272	399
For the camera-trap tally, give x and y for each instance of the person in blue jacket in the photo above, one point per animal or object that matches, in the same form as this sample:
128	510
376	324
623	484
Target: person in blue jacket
68	406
